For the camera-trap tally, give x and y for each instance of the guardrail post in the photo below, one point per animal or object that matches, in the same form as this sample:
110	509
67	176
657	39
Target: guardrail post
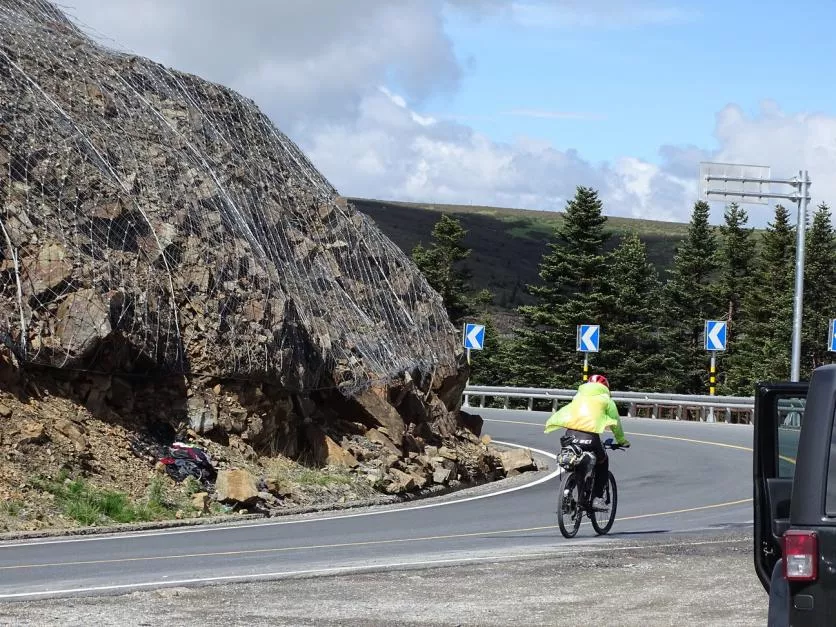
554	405
482	401
531	403
631	410
466	402
728	415
655	411
506	403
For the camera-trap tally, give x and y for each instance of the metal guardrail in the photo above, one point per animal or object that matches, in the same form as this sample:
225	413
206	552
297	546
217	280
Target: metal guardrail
676	406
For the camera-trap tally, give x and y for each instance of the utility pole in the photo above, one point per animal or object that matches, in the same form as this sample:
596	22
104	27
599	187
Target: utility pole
751	183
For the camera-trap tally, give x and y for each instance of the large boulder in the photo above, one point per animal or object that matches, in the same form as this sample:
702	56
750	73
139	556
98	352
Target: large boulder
236	487
156	223
153	209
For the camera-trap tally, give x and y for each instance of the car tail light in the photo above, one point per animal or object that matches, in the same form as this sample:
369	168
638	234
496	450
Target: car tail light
801	555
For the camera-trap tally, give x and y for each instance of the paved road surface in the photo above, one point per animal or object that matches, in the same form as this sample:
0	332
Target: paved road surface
677	478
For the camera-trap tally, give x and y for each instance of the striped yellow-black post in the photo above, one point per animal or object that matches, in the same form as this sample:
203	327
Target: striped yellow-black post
712	380
585	367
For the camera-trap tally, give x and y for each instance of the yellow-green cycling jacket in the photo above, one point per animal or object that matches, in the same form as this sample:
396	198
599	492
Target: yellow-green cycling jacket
592	410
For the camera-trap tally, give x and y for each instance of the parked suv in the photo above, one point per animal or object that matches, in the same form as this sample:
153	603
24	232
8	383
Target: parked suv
795	498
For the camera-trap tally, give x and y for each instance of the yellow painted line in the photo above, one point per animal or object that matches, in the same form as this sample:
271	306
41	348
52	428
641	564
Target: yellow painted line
791	460
686	510
691	441
351	544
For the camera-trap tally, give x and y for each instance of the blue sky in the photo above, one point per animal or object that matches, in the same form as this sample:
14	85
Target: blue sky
516	102
641	86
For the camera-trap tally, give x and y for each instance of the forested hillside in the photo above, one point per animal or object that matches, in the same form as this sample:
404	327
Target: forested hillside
650	285
507	244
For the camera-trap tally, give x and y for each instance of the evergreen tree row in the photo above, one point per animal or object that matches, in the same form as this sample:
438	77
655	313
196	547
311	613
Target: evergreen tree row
652	327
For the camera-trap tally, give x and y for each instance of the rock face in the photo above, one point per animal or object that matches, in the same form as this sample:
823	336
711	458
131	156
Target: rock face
150	208
157	224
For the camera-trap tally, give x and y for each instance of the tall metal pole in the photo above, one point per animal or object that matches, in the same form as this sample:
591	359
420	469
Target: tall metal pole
798	300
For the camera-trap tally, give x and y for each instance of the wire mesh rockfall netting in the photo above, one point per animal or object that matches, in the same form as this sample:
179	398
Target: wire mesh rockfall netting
150	216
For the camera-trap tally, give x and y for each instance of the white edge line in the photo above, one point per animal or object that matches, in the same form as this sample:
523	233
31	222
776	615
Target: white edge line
342	570
205	529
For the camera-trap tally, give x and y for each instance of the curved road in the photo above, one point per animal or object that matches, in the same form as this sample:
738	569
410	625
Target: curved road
677	477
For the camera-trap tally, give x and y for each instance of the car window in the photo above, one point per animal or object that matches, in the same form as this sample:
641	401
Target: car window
790	416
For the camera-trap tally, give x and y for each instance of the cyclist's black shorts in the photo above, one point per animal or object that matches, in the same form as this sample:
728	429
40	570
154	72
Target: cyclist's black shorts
588	442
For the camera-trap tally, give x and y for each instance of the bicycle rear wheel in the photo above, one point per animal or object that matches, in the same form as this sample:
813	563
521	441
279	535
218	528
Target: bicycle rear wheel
602	520
569	512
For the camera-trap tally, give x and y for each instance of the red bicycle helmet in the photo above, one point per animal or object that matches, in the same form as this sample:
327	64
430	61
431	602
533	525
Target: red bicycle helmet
599	378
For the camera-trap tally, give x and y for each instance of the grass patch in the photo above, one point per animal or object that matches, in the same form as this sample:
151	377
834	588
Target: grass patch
90	505
11	508
299	479
322	478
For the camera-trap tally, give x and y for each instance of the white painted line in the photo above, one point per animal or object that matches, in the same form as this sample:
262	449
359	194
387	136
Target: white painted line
207	529
343	570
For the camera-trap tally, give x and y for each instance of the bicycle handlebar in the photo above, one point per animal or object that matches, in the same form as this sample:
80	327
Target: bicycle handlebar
611	444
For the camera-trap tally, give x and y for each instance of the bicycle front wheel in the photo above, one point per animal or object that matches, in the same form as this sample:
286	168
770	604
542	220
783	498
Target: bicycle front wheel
602	520
569	512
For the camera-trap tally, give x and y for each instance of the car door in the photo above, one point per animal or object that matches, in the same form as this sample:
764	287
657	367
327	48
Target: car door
810	544
779	414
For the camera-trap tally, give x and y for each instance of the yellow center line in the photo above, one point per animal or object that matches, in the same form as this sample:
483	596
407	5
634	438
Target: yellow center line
791	460
351	544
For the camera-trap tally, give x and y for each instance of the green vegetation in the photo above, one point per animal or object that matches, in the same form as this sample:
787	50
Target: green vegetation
651	286
288	475
506	244
90	505
317	477
11	508
442	265
572	279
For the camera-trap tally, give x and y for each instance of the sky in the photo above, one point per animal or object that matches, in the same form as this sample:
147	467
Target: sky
514	103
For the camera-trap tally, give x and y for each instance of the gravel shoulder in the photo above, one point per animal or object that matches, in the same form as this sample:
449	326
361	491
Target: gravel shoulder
675	581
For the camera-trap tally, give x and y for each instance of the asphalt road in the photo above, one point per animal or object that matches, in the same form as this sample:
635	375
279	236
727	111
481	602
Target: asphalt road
677	478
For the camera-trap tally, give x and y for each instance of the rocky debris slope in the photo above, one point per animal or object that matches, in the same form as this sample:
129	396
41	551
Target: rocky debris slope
51	433
186	269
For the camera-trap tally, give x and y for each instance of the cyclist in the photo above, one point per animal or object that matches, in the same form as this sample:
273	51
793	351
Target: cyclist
590	412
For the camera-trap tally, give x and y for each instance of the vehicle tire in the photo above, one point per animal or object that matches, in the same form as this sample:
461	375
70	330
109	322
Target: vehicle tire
569	513
604	524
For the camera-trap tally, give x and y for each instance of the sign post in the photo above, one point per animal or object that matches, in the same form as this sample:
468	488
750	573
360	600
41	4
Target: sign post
751	183
716	336
588	340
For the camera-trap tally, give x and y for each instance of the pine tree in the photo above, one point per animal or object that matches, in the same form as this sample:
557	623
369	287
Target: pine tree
736	258
689	300
572	271
763	340
631	357
442	265
819	290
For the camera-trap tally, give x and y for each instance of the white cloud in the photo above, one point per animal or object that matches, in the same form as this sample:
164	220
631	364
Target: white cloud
324	72
449	162
300	61
787	142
